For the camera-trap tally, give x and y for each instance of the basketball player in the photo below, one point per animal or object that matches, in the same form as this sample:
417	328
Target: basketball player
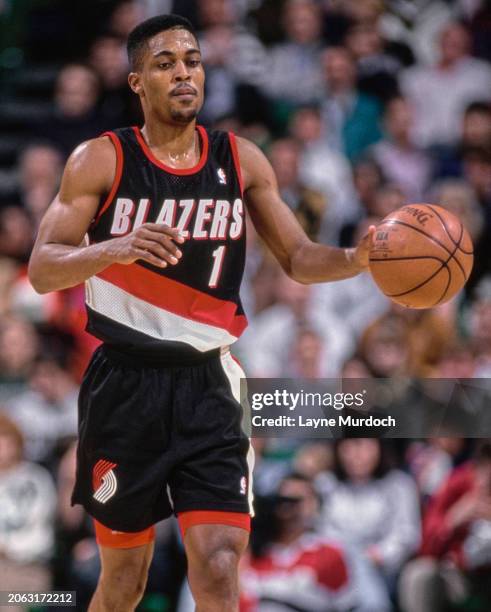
162	208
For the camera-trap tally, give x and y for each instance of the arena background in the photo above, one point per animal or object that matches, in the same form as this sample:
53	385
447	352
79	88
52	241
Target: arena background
361	106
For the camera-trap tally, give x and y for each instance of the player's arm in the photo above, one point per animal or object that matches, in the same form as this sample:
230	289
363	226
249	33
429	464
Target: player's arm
59	260
303	260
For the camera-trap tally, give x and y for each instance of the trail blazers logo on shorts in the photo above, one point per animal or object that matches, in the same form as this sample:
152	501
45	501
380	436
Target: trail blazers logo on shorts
104	480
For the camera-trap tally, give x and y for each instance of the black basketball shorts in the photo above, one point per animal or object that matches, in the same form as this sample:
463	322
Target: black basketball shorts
157	440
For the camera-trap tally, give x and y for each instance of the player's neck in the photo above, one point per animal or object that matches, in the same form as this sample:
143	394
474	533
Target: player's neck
175	142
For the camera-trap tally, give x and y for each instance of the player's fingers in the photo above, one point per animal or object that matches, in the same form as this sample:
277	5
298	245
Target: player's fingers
165	241
158	250
173	232
147	256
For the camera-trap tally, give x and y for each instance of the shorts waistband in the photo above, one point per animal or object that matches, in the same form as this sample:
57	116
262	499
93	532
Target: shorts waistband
171	358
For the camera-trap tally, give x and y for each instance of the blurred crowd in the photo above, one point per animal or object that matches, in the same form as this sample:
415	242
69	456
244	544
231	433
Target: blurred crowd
361	106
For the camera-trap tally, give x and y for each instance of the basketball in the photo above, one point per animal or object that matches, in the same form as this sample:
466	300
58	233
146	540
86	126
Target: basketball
422	255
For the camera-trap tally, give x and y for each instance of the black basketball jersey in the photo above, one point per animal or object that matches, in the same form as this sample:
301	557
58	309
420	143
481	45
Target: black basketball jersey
195	304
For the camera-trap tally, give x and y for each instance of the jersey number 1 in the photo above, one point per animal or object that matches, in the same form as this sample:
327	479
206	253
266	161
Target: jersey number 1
218	255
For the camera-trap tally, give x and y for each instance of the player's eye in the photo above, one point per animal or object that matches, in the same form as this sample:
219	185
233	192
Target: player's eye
165	65
194	63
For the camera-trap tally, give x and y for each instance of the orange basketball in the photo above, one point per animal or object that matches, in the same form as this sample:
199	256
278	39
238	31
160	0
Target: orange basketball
422	255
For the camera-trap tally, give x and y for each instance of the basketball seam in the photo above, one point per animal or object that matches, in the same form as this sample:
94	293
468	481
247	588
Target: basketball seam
442	221
443	266
432	238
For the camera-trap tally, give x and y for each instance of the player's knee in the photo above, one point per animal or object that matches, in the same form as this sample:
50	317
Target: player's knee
219	571
123	587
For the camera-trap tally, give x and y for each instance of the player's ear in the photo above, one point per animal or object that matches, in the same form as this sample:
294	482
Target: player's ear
134	80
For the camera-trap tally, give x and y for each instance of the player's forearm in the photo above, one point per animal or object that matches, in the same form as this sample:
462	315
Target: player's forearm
57	266
318	263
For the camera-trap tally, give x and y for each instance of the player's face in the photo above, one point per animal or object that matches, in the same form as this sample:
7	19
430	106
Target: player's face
171	80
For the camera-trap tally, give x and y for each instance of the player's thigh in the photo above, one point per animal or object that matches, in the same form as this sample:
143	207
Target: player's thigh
125	568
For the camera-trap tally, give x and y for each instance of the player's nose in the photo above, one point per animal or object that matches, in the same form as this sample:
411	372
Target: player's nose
181	72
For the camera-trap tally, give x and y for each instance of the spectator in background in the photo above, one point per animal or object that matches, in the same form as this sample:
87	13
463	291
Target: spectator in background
325	170
308	203
356	301
388	529
76	117
294	75
27	502
440	93
19	347
46	413
475	134
432	460
352	118
117	104
404	164
16	234
266	345
234	60
40	168
368	179
377	70
384	347
125	17
292	567
455	559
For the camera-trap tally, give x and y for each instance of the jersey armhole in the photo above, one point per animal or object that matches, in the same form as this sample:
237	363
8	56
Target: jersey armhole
235	155
117	175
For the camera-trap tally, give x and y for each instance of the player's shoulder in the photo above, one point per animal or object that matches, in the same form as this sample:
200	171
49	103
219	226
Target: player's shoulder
94	151
92	163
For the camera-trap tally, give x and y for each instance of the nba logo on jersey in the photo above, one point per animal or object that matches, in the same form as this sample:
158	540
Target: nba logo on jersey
222	177
243	485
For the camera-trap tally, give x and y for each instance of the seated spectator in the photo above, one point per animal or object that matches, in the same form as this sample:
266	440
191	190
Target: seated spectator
19	347
368	178
307	202
357	300
292	567
388	529
325	170
16	234
75	117
118	104
454	566
28	503
46	413
475	133
431	461
404	164
441	93
352	118
266	345
294	75
40	168
377	69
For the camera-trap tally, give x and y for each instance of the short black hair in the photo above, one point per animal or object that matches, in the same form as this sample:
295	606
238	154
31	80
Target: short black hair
142	32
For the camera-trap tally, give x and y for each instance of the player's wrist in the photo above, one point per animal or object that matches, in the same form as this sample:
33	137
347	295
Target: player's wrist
354	260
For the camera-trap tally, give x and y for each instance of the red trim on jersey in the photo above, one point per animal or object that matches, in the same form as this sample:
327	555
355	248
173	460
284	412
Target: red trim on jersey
117	176
235	155
212	517
180	171
175	297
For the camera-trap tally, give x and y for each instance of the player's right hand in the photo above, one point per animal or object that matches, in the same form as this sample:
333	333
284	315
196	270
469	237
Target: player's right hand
151	242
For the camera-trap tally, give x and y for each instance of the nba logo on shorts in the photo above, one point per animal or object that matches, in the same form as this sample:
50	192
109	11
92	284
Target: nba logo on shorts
222	177
104	481
243	485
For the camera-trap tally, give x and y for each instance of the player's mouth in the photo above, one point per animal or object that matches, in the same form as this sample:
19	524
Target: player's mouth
184	91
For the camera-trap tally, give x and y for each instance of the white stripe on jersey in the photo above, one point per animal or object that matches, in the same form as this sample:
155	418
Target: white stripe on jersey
126	309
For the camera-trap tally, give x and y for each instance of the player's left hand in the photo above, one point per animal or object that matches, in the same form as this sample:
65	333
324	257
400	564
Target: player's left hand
362	250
